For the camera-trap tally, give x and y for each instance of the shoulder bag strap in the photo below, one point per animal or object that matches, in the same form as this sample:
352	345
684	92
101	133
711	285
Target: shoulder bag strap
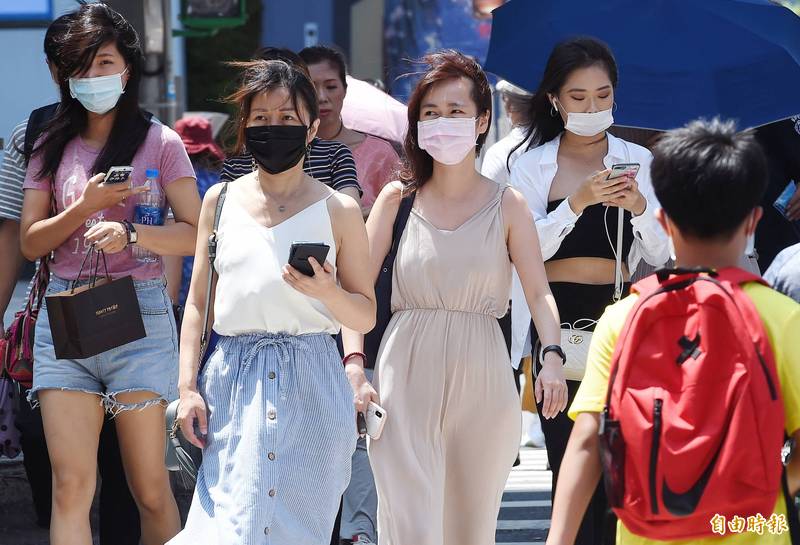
404	210
212	256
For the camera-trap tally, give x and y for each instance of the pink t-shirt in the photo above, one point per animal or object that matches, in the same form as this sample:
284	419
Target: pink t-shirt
376	163
162	149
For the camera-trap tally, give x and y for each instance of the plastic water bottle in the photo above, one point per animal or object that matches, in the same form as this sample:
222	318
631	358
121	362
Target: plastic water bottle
149	211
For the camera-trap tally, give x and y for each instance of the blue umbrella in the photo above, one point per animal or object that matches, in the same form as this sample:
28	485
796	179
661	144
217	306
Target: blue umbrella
678	59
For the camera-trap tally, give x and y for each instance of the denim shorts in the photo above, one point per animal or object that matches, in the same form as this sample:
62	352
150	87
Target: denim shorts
149	364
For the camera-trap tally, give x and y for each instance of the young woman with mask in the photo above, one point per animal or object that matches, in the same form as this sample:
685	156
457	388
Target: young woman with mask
453	423
272	405
376	160
564	179
100	125
327	161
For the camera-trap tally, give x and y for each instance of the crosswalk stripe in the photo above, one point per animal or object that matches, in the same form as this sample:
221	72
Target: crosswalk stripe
524	503
525	510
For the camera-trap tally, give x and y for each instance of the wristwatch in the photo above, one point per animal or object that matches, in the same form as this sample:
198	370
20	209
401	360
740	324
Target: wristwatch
133	236
553	348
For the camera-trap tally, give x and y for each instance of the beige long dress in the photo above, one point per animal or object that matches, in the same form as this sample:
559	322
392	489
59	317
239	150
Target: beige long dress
445	380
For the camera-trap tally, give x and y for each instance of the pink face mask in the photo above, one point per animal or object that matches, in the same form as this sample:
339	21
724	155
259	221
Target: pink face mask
447	139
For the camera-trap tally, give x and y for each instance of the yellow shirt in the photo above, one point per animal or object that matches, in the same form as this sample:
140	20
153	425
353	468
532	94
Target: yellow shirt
781	317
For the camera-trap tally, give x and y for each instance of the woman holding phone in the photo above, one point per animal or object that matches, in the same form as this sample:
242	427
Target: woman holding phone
443	372
272	406
576	196
99	125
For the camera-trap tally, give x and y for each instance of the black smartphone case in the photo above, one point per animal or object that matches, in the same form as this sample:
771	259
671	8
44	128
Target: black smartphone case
300	252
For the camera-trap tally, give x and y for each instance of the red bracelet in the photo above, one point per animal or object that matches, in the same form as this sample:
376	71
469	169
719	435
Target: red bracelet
352	355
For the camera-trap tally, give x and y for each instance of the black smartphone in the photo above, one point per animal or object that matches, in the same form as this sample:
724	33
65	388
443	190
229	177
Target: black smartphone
301	251
623	169
117	175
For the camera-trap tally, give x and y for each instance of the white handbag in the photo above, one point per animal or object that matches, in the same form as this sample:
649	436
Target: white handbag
575	339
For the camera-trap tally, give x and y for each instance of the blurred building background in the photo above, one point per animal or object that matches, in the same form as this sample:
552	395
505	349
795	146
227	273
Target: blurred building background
186	56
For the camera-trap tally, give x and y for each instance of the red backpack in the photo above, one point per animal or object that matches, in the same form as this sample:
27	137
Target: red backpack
694	422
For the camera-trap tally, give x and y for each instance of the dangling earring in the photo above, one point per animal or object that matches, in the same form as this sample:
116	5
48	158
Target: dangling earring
255	166
614	107
553	111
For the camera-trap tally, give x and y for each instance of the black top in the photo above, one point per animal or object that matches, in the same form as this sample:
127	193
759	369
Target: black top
589	239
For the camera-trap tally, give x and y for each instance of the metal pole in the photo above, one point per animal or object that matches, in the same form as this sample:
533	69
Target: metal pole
171	104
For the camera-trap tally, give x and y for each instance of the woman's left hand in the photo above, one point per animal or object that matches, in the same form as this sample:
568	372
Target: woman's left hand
320	286
631	199
109	236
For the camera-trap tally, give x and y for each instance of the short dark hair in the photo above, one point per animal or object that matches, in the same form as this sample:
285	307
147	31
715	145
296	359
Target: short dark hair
708	177
264	76
270	53
323	53
444	65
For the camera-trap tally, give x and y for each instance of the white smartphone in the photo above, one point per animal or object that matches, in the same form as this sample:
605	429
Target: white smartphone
623	169
117	175
376	419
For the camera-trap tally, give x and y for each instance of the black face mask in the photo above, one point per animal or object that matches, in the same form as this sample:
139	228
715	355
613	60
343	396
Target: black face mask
276	148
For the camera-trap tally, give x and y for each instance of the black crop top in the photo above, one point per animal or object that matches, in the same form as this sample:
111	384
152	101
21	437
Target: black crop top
588	238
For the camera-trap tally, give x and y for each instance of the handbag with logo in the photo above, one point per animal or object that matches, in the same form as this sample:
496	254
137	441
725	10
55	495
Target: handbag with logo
181	455
90	319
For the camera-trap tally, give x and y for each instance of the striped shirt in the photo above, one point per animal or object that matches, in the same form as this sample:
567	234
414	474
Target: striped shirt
328	161
12	174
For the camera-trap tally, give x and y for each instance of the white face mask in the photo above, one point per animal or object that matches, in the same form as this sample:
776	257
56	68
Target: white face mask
586	124
447	139
98	95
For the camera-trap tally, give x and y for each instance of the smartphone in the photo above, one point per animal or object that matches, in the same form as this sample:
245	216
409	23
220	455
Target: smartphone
376	419
301	251
623	169
118	175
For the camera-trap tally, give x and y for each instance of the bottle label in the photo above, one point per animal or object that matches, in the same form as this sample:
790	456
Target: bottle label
148	215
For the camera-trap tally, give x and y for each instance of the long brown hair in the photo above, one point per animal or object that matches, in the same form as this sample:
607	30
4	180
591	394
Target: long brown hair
261	76
442	66
91	27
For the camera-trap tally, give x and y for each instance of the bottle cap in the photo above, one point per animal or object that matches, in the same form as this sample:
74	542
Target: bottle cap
152	173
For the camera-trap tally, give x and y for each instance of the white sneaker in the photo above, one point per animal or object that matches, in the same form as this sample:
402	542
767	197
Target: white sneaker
535	432
361	539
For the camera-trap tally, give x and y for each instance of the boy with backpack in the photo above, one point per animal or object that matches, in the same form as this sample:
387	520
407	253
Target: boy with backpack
693	381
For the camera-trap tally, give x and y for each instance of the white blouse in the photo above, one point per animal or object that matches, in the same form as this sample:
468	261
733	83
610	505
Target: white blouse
533	175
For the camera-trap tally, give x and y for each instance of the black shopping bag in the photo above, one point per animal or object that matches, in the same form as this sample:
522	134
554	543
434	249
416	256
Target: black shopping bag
96	317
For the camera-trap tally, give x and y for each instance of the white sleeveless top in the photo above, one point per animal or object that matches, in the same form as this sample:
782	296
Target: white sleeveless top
251	295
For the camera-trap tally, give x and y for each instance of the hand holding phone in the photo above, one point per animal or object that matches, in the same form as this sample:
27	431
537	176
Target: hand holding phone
376	420
301	251
117	175
619	170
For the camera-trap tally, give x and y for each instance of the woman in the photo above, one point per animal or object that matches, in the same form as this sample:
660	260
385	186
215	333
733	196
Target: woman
376	160
576	209
99	126
453	423
326	161
280	428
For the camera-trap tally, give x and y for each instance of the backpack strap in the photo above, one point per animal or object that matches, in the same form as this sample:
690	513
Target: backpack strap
37	121
212	256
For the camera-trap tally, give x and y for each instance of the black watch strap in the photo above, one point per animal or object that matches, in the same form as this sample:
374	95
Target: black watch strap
553	348
130	231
